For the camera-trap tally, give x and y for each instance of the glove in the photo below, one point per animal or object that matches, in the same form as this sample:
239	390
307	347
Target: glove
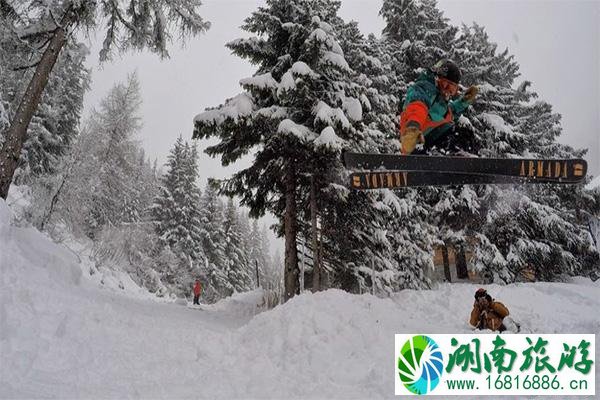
471	93
412	135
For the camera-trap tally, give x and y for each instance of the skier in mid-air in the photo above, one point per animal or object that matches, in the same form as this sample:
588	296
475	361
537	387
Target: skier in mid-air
430	110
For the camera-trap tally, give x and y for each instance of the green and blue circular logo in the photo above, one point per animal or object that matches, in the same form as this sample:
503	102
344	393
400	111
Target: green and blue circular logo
420	364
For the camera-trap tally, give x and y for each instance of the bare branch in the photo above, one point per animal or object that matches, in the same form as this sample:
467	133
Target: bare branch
24	67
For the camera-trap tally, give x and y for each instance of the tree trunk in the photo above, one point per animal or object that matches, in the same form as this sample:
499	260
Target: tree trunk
461	264
291	230
16	134
315	239
446	263
53	201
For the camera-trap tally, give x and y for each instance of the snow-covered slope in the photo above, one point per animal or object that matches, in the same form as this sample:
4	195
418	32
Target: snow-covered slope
64	336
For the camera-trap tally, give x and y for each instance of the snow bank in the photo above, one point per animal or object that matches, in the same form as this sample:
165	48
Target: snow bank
25	248
61	336
249	303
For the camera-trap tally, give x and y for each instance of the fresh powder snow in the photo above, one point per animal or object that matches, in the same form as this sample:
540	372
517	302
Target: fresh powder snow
329	139
64	335
240	106
287	126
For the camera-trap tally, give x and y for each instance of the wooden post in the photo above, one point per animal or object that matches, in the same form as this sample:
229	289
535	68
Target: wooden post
302	266
373	276
446	263
315	241
461	264
257	276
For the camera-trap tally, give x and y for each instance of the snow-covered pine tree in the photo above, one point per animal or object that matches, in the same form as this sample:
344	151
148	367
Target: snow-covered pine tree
376	238
128	242
570	204
417	35
256	255
239	269
101	188
176	214
115	125
295	103
3	113
246	242
264	255
521	228
495	119
175	211
260	256
401	238
49	26
214	271
55	122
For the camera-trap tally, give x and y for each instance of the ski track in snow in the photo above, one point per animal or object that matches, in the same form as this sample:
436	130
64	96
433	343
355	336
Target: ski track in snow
63	336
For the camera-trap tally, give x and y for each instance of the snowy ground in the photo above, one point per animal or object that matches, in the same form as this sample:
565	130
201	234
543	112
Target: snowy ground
64	336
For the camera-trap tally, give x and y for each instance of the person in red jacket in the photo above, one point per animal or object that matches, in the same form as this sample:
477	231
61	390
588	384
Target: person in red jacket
197	290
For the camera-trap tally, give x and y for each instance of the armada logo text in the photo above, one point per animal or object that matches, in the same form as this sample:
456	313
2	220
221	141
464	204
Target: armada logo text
550	169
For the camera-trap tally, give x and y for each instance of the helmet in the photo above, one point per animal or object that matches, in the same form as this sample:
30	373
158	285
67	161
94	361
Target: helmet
482	293
447	69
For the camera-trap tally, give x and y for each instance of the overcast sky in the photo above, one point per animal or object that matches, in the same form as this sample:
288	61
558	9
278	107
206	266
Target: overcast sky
556	44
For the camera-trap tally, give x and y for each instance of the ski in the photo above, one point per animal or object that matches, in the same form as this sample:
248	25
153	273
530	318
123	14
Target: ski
384	179
528	170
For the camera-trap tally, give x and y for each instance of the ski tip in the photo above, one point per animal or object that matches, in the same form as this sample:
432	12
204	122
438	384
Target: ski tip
347	156
580	168
343	157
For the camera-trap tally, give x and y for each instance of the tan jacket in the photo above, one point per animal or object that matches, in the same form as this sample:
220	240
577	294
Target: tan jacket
491	318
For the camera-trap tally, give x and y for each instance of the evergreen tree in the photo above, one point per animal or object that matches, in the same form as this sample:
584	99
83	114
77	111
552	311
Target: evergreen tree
275	275
56	121
103	174
259	254
521	228
49	25
113	200
289	107
176	206
254	251
398	238
213	241
55	124
176	215
107	145
264	253
417	35
3	113
305	103
238	267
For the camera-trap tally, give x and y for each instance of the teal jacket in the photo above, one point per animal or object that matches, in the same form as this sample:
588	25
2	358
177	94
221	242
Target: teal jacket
425	105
